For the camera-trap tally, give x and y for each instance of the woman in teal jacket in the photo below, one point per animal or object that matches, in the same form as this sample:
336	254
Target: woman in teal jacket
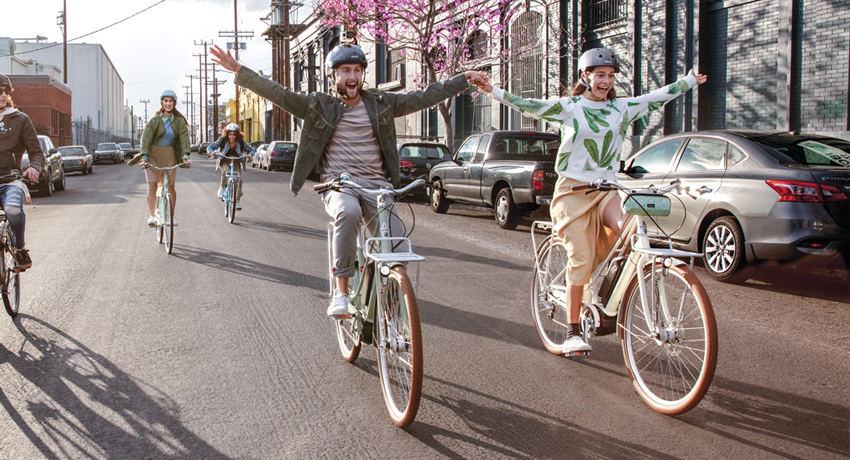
165	142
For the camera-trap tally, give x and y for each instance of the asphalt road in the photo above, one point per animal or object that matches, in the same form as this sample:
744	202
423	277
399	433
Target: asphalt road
222	349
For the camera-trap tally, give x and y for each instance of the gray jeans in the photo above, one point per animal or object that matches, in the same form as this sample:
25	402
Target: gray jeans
347	208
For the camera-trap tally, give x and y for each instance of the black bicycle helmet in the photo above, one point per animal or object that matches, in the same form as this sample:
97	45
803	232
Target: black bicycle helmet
345	54
598	57
5	81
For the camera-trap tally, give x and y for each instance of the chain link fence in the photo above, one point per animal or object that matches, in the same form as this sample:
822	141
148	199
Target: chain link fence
86	135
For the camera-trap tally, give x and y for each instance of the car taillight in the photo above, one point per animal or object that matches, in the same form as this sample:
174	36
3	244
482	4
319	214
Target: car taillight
405	164
806	192
537	180
273	154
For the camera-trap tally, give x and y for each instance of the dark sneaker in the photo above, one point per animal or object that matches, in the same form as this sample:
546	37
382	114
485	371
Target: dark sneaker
22	256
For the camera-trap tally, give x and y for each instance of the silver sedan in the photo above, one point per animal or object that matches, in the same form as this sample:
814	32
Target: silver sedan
752	196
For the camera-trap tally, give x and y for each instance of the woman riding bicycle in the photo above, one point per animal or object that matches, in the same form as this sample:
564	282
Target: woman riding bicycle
17	134
594	123
165	143
231	144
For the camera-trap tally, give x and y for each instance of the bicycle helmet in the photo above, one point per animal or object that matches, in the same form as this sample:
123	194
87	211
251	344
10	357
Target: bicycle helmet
345	54
168	93
598	57
6	82
232	127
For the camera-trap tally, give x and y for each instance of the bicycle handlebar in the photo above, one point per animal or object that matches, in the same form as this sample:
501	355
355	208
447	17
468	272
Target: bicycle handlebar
344	181
180	165
221	155
16	175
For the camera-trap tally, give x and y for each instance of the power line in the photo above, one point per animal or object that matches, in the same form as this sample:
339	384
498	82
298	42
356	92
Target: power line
90	33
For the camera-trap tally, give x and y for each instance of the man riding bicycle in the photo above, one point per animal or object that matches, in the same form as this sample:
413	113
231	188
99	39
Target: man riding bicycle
351	131
17	134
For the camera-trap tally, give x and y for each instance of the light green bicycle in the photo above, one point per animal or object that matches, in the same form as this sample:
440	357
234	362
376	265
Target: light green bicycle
383	309
165	209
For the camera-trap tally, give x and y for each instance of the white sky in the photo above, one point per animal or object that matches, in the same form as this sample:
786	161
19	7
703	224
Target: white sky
152	51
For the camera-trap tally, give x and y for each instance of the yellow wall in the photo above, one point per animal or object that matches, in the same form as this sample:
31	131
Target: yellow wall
251	116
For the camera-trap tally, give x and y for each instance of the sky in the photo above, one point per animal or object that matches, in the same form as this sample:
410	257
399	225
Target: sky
152	51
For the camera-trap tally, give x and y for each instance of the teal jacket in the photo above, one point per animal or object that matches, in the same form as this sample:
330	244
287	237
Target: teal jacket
322	112
156	129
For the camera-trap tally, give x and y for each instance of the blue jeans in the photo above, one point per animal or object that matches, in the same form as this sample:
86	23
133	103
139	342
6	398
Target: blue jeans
12	200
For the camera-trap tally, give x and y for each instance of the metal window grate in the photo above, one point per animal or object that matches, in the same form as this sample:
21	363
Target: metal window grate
526	64
607	13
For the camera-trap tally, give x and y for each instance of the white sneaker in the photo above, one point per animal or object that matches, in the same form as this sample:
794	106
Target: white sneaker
174	220
238	206
575	344
339	304
151	221
221	193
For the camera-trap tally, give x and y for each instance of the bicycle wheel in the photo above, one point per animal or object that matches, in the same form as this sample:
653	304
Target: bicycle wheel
159	224
11	280
549	294
671	368
168	224
231	203
400	348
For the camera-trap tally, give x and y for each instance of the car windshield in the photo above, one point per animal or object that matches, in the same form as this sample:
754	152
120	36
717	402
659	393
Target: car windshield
285	147
105	147
125	146
805	150
69	151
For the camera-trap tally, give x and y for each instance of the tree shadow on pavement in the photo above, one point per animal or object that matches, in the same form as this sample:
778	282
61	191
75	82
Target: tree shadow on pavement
78	404
763	417
508	430
241	266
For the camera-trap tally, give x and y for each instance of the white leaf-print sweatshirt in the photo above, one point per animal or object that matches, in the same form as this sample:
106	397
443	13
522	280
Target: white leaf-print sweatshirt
592	132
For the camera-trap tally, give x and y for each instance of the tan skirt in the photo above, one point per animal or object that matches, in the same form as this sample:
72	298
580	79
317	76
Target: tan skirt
162	157
577	220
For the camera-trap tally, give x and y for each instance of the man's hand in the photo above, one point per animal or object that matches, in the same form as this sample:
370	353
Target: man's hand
31	174
479	79
225	59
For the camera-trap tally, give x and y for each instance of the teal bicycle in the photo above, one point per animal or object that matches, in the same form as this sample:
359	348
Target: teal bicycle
165	209
230	190
383	309
10	273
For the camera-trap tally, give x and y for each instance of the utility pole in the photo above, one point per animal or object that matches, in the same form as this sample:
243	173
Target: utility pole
145	101
62	22
205	111
132	128
191	108
236	33
279	34
188	107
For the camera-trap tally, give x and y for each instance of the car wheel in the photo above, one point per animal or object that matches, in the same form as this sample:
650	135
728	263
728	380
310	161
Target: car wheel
439	203
507	214
85	170
61	185
723	247
47	190
91	168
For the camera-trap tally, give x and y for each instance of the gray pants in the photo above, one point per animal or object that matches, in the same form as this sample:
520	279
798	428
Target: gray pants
347	208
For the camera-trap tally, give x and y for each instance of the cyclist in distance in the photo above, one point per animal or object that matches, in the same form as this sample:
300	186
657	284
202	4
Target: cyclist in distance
231	144
165	143
594	121
17	134
349	131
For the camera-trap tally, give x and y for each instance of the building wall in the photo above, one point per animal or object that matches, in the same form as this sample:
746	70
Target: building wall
48	104
825	57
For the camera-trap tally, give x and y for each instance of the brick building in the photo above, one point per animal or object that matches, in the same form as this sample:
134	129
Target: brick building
48	104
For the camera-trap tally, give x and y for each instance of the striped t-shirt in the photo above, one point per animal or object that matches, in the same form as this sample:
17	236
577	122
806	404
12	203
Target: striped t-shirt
353	147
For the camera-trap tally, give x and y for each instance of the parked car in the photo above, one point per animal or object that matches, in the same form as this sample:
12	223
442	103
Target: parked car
417	159
203	147
256	144
752	196
511	171
52	177
137	148
279	154
126	149
255	159
76	158
193	148
108	151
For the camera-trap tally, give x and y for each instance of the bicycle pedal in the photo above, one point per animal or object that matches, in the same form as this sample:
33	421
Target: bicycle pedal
577	354
18	270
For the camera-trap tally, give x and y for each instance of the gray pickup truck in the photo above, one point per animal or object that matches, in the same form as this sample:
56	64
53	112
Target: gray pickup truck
512	172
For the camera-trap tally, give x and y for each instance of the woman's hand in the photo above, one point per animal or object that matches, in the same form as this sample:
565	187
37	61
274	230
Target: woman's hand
186	163
225	59
143	164
700	77
479	79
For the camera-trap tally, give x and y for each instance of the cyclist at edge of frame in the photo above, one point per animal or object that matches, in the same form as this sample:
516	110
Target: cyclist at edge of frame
17	134
339	133
165	143
594	122
231	144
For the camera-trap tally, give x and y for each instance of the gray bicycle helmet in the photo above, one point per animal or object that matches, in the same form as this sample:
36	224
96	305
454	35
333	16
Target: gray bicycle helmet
6	82
345	54
598	57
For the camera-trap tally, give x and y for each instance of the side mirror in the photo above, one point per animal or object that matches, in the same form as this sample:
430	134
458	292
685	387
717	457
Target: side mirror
52	151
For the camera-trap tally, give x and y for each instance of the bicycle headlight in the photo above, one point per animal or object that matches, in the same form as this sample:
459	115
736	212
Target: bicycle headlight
385	270
668	262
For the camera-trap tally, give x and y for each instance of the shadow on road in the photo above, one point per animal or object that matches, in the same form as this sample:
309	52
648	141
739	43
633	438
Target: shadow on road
81	405
770	414
467	257
275	227
241	266
507	429
820	281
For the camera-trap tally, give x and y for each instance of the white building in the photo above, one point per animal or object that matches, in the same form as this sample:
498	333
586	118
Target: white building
97	86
